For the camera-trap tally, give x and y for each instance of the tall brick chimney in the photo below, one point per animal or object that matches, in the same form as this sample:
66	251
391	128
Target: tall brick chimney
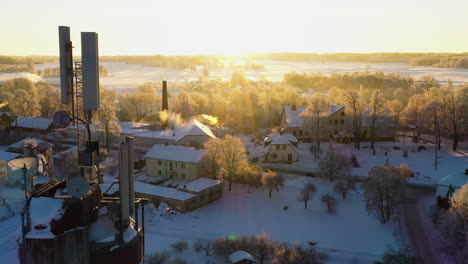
165	105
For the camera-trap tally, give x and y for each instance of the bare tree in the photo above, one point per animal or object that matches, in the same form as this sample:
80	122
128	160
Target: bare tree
329	201
106	118
333	165
343	187
377	107
383	188
433	113
315	114
272	180
203	245
306	193
414	114
454	103
403	256
353	100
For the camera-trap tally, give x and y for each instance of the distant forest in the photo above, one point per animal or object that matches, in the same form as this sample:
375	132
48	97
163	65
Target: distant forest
437	60
55	72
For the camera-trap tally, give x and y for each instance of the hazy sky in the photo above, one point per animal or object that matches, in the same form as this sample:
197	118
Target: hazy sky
237	26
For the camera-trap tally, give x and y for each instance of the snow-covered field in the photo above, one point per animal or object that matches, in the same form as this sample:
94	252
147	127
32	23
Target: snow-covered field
348	234
126	76
421	162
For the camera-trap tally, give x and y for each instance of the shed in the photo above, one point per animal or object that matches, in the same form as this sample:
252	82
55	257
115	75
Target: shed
32	124
241	257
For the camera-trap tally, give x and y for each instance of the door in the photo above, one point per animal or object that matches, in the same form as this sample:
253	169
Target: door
290	157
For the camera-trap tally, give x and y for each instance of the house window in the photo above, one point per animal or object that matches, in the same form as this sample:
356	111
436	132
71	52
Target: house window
342	122
277	147
182	175
330	121
176	164
284	147
159	172
182	165
294	132
159	162
342	113
336	122
300	132
202	197
273	156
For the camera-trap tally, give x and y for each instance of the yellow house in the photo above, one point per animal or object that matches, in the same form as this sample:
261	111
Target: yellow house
283	148
175	162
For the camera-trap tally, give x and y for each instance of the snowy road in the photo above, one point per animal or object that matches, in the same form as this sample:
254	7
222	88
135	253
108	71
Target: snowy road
418	235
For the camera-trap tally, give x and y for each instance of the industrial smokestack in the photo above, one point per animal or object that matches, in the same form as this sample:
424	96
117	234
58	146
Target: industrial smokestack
165	106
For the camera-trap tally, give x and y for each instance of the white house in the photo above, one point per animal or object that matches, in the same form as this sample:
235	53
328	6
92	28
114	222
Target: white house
282	148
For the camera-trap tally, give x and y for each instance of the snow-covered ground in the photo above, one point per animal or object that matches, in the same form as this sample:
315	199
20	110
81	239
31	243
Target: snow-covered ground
126	76
348	234
421	162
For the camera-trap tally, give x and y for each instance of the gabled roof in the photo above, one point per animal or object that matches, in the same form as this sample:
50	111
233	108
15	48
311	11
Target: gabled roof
334	108
273	136
176	153
32	122
286	138
130	127
241	255
6	113
7	156
19	144
293	117
195	128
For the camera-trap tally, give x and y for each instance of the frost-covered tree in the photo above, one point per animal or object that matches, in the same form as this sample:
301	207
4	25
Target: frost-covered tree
306	193
454	103
232	157
272	180
315	115
344	186
106	118
377	107
213	147
383	188
333	166
453	225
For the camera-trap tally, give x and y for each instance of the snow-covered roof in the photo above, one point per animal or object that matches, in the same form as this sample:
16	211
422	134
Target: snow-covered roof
130	127
334	108
191	128
455	179
7	156
151	189
273	136
19	144
167	192
241	255
42	211
6	113
293	117
284	139
195	128
176	153
32	122
199	185
161	134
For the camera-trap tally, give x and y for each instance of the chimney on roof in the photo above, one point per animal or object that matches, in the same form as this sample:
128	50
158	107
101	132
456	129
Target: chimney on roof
165	105
293	107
